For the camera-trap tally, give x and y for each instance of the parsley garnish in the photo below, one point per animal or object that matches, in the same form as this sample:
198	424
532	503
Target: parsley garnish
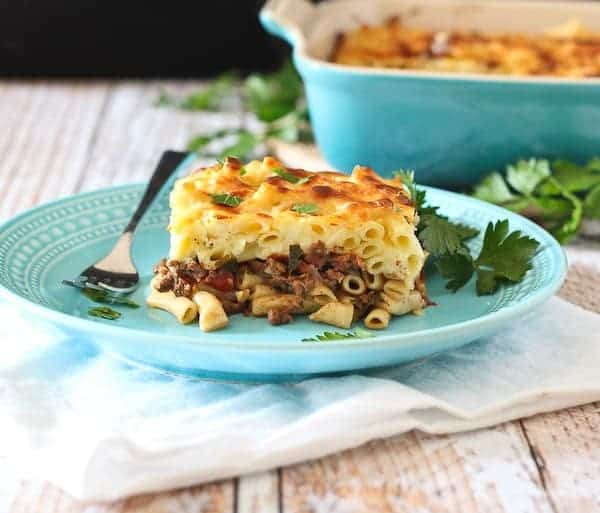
440	236
557	196
104	312
211	97
229	200
328	336
305	208
294	257
276	99
408	180
504	256
289	177
243	171
102	296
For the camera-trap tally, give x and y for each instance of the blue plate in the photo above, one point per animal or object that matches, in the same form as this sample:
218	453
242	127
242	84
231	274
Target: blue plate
55	241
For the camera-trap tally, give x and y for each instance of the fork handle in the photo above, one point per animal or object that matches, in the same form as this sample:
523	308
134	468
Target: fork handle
169	162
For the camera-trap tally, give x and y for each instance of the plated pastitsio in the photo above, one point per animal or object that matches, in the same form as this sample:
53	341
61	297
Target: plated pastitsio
270	241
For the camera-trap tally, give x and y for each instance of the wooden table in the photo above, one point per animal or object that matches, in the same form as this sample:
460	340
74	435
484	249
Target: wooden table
58	138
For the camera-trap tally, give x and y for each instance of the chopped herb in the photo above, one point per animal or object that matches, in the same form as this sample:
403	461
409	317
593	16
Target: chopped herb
243	171
276	99
243	146
408	180
221	160
230	266
211	97
440	236
103	296
289	177
558	196
229	200
504	256
305	208
274	95
328	336
295	255
104	312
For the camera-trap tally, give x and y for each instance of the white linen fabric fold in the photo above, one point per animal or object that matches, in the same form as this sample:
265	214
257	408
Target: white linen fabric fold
102	429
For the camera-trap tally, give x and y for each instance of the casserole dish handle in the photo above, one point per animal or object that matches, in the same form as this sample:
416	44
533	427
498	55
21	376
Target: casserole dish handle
287	19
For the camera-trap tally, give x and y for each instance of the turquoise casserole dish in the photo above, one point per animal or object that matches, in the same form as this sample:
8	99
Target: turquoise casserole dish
452	128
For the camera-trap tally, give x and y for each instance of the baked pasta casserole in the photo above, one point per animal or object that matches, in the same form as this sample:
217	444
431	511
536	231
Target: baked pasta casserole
266	240
565	51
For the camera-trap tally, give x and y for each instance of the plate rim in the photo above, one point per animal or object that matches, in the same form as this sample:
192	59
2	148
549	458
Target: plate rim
526	304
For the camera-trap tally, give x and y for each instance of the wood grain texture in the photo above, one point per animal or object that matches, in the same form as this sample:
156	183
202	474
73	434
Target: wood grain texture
485	470
61	137
565	445
258	493
45	498
46	133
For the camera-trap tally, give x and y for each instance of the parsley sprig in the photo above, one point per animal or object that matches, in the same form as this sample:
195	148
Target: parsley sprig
504	257
276	99
289	177
104	312
227	199
102	296
305	208
558	196
329	336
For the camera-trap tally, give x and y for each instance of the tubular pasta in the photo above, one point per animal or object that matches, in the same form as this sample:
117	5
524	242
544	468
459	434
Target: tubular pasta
182	308
353	284
377	319
322	294
336	314
212	316
399	305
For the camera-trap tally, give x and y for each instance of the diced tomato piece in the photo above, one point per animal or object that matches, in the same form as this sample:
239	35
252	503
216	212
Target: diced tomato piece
220	281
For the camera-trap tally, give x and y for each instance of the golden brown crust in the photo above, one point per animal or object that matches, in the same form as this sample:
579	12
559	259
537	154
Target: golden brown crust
567	51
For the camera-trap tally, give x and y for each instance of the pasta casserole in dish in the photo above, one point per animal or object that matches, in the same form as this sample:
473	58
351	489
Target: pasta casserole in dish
565	51
266	240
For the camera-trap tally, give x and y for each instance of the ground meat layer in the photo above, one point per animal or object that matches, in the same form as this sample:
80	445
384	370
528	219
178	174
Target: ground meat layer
296	273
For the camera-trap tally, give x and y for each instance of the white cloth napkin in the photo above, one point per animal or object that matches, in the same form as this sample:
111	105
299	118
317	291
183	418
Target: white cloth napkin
102	429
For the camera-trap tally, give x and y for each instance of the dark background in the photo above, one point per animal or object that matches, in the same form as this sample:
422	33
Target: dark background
133	38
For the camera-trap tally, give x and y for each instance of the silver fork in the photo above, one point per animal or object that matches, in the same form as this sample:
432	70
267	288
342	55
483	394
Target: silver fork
116	273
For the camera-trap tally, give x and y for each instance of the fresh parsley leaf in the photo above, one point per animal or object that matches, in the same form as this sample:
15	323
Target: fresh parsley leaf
439	236
456	268
553	196
231	266
243	171
210	97
198	143
504	256
408	180
229	200
274	95
305	208
243	146
571	177
289	177
591	203
568	226
526	175
328	336
493	188
104	312
294	257
293	127
102	296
